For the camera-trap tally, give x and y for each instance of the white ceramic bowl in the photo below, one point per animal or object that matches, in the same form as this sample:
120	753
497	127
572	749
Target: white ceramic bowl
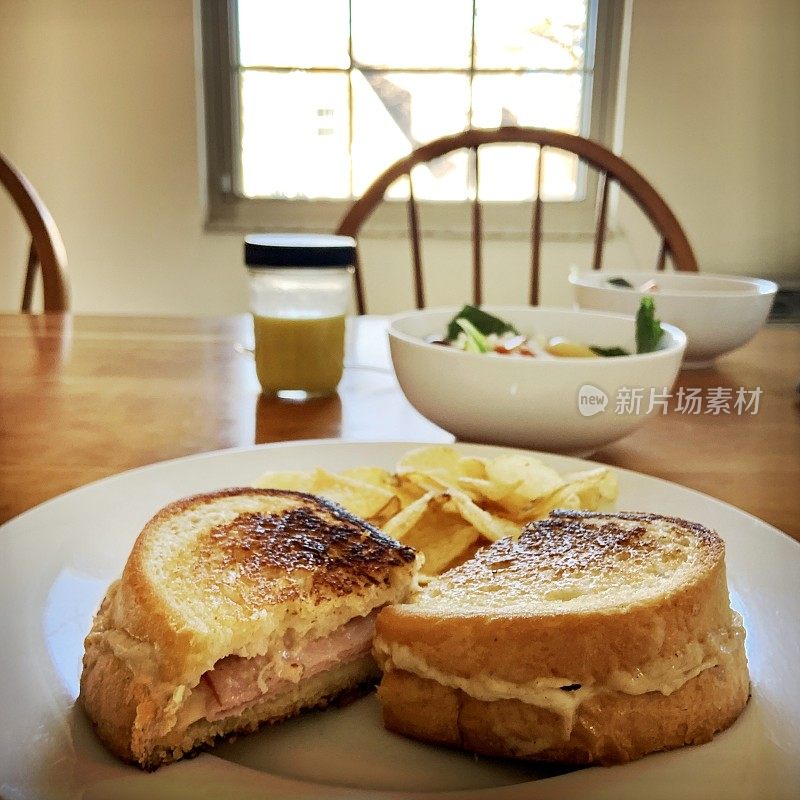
532	402
718	313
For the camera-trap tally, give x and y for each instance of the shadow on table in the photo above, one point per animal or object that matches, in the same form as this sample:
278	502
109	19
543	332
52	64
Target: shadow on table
282	420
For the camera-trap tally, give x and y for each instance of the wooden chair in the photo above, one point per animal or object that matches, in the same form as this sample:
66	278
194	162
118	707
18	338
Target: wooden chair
611	169
46	248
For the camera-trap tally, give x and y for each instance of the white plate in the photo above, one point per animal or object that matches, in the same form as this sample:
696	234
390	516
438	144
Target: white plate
58	559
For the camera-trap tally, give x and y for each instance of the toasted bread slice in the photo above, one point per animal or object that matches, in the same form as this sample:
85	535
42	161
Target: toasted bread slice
580	642
239	574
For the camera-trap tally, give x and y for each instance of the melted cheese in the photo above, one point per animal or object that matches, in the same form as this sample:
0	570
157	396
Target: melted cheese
665	675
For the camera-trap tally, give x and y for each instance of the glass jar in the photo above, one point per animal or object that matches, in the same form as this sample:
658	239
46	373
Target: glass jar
300	290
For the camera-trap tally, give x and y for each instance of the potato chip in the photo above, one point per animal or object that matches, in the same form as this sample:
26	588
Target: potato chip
431	481
565	497
471	467
583	491
492	527
295	481
478	488
442	538
391	509
437	531
437	458
594	486
587	490
439	467
402	523
375	476
359	498
447	505
406	491
537	478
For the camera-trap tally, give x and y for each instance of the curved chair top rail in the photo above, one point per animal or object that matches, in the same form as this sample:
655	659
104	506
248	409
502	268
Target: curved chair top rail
611	167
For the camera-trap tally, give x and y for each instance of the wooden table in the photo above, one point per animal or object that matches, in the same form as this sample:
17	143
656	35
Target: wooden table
85	397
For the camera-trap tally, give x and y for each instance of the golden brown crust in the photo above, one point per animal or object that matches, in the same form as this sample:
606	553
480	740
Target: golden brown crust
560	517
240	571
612	609
582	648
464	624
609	728
568	543
306	533
290	540
273	548
108	692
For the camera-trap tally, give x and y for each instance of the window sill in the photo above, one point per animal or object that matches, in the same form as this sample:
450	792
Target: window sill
229	227
571	221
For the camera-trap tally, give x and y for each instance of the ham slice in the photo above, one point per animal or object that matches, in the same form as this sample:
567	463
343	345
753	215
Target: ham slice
237	682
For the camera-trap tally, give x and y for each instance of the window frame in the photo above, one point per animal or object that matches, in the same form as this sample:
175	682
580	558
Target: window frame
227	211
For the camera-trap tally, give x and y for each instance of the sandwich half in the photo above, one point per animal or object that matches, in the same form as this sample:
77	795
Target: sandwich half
593	638
235	609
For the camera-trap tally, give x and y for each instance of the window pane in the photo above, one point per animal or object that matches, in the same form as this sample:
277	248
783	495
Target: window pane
539	101
295	131
535	34
543	100
508	172
300	33
560	175
395	112
442	179
412	33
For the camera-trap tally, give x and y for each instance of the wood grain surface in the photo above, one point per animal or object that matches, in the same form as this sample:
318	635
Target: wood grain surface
85	397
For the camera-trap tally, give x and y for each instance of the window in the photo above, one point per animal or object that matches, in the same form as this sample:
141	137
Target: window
308	101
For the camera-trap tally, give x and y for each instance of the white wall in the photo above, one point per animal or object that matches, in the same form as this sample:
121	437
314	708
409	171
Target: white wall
713	118
98	107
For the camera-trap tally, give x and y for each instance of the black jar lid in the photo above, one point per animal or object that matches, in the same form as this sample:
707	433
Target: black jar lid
298	250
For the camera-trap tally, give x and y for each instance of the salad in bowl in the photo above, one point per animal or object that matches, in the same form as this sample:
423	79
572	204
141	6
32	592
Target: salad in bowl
475	330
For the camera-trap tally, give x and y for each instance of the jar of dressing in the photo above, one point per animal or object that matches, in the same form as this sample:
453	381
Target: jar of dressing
300	290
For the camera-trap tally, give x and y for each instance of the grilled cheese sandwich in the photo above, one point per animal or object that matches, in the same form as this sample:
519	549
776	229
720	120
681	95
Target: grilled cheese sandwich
593	638
235	609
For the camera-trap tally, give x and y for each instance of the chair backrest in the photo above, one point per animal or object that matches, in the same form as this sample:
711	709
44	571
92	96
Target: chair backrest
611	169
46	248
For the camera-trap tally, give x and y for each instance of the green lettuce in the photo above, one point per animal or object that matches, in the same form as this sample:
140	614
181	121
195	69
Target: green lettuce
481	321
648	328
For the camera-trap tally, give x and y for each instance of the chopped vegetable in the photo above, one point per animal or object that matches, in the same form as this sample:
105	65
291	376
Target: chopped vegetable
648	328
476	341
609	352
559	346
476	331
506	346
482	321
621	282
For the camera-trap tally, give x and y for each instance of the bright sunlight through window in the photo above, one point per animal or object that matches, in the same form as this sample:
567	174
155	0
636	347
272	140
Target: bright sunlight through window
331	92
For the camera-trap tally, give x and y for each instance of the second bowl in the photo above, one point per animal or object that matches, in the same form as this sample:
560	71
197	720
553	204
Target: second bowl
718	313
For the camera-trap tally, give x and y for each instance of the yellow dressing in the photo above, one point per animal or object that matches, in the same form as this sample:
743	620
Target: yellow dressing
299	353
